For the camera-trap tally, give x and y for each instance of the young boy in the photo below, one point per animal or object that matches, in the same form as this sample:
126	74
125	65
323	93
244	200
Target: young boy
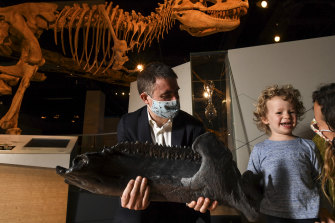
288	163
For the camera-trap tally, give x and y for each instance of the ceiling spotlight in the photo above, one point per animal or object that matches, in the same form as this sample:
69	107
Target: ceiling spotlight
276	38
139	67
262	4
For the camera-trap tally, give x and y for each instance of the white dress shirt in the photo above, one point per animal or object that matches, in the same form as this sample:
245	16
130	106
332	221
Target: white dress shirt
160	135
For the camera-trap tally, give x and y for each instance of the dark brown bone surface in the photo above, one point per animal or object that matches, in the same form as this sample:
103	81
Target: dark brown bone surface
175	174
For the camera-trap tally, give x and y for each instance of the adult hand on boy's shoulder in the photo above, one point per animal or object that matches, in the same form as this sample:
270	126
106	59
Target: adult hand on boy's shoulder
325	216
203	204
136	194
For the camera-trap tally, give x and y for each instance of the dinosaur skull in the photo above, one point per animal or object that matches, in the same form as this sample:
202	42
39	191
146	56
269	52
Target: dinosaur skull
206	17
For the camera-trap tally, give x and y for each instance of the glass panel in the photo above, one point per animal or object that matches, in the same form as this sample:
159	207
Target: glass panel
211	93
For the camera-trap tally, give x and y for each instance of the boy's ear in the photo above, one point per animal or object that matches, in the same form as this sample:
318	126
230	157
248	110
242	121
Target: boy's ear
265	120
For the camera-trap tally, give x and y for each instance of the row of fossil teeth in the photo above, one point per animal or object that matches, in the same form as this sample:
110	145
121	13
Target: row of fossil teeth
155	151
226	14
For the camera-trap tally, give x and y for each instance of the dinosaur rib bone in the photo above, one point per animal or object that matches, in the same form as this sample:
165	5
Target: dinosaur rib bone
124	24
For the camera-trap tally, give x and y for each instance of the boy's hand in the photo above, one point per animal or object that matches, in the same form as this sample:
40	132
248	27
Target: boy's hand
136	194
203	204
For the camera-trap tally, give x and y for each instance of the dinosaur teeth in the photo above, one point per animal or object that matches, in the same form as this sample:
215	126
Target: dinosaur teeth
230	13
233	14
154	151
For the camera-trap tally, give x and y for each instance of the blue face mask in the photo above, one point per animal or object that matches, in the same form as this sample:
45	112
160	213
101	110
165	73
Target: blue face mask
165	109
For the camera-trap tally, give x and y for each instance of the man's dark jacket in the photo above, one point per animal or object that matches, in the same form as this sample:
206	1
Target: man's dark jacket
185	128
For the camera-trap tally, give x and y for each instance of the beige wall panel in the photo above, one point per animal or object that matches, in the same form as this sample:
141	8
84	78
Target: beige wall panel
32	194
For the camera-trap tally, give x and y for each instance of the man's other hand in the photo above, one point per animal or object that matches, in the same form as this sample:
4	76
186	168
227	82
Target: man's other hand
136	194
203	204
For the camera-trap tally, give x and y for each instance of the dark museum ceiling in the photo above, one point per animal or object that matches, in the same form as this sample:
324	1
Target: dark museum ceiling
291	19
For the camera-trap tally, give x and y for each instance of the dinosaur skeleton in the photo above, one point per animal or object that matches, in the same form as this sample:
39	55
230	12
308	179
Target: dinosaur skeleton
107	34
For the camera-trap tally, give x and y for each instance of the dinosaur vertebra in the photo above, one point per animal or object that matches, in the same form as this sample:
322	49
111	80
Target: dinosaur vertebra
107	34
175	174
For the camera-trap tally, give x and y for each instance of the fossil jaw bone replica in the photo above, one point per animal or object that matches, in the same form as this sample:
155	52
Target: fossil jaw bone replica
112	30
175	174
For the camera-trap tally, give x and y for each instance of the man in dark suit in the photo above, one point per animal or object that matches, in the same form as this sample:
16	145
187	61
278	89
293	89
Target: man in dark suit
160	122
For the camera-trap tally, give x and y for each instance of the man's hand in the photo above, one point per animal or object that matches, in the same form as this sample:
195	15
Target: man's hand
136	194
203	204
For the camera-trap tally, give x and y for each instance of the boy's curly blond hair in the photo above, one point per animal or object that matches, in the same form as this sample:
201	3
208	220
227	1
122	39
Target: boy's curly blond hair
287	93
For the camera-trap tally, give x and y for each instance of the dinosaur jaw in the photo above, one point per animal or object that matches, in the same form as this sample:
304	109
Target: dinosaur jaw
200	20
206	24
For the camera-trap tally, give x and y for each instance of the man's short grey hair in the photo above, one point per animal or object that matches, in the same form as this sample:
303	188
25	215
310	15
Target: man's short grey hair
147	78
